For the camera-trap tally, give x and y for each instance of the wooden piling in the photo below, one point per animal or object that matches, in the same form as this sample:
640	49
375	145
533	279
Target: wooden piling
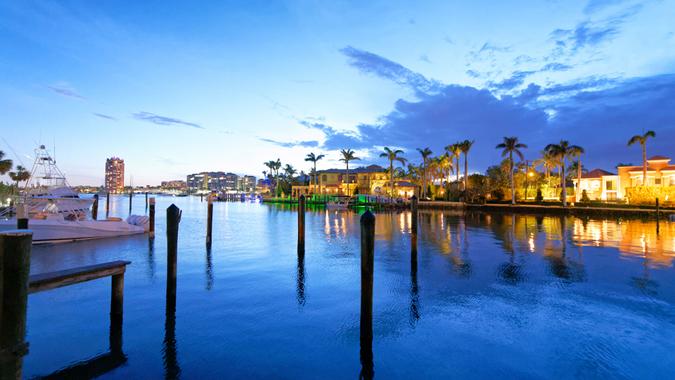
21	217
146	200
94	208
117	295
131	197
301	224
209	221
366	326
107	205
15	247
173	215
413	222
151	228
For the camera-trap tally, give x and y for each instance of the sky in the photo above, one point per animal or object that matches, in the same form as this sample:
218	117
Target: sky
176	88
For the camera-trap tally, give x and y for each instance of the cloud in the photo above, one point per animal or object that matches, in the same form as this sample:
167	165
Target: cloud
589	33
304	144
370	63
517	78
163	120
425	58
598	113
103	116
65	89
594	6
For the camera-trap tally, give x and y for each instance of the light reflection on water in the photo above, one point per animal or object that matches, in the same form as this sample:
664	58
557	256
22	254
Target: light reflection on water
544	297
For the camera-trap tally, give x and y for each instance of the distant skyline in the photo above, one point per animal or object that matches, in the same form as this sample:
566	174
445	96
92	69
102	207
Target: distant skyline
176	88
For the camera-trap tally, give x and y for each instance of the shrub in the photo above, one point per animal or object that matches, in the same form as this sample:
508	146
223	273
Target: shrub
497	194
540	197
584	197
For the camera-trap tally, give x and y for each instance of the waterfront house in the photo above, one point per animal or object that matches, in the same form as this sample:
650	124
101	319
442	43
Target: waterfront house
370	180
627	184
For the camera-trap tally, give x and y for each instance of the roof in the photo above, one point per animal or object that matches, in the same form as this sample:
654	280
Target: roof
658	158
596	173
360	169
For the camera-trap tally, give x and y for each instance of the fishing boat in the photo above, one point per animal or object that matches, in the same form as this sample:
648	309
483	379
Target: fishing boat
56	212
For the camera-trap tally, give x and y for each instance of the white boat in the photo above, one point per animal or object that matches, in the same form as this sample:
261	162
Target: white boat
54	228
338	203
56	213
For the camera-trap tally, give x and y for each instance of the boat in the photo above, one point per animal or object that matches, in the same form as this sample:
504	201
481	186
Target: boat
338	203
56	213
55	228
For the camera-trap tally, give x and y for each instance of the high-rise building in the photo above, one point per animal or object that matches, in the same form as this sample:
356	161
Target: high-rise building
114	175
246	184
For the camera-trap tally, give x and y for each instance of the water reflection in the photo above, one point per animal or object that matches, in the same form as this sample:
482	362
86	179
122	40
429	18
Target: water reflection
300	280
414	289
209	268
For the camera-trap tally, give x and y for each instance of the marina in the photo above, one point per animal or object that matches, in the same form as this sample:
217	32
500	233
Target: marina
564	294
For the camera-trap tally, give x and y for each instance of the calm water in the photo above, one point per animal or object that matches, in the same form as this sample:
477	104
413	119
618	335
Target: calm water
492	296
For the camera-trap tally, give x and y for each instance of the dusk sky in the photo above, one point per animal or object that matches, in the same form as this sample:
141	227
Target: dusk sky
180	87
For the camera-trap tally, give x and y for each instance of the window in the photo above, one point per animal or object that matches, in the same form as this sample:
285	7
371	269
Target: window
657	181
609	185
324	178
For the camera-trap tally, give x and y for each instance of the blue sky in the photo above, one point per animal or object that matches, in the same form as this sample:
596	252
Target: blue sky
180	87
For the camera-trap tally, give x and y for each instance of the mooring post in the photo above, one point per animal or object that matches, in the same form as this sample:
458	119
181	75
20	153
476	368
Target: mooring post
15	247
117	295
301	224
209	221
151	228
94	208
413	223
131	196
21	217
107	205
146	200
173	215
367	260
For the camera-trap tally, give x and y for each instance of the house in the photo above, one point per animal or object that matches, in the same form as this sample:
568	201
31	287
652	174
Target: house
627	184
371	180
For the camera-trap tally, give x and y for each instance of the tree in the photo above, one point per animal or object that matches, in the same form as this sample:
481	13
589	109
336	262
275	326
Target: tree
642	139
348	155
465	147
314	158
20	175
577	169
548	163
392	155
455	151
562	151
5	165
274	167
426	152
509	146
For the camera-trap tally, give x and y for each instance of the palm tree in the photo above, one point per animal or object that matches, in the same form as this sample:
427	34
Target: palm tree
455	151
578	168
509	146
289	172
563	151
314	158
548	163
642	139
426	152
465	147
348	155
392	155
20	175
5	165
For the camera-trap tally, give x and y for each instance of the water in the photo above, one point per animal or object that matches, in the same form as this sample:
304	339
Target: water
505	296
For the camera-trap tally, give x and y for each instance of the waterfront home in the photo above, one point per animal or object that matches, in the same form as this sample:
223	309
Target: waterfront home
627	184
370	180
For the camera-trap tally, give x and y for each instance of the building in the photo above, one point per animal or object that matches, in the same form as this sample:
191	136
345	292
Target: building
114	175
627	184
220	182
370	180
174	185
247	184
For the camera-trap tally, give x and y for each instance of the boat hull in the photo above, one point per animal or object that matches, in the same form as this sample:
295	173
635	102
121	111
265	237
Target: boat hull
61	231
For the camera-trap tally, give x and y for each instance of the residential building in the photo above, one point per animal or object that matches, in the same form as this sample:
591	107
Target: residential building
114	175
247	184
627	184
174	185
371	180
